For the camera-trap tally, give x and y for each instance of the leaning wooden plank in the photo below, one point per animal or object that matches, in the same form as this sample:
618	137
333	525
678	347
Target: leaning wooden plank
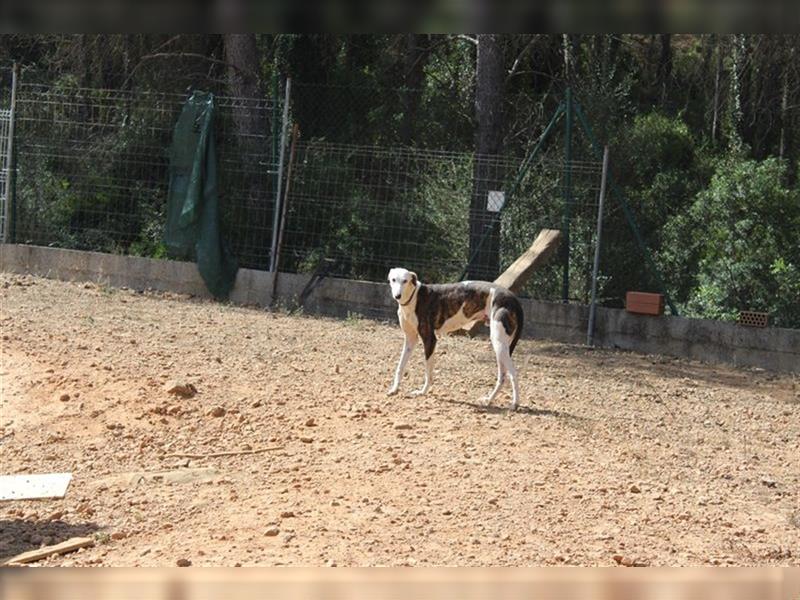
70	545
34	487
520	271
517	275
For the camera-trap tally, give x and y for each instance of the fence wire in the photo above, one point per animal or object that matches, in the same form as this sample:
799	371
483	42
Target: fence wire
370	208
93	169
93	175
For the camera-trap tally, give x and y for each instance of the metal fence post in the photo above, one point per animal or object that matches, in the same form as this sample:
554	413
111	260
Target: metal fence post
567	194
9	200
616	193
595	267
277	207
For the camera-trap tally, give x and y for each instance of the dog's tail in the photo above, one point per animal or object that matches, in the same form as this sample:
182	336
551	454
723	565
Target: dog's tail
508	306
515	307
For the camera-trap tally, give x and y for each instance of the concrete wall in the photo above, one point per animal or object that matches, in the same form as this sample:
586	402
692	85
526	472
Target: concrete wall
711	341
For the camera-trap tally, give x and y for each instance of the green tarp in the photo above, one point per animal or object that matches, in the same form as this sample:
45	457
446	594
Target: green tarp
192	230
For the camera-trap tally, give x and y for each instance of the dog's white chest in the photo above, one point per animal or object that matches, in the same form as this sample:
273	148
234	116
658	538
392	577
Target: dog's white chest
408	322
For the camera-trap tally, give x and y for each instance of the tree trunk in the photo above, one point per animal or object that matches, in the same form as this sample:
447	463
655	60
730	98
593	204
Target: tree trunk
241	54
485	254
665	65
735	104
416	56
785	102
717	74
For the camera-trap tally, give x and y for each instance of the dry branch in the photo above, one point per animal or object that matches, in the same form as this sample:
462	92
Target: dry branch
220	454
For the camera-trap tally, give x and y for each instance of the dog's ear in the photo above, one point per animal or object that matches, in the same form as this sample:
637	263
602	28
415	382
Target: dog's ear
413	278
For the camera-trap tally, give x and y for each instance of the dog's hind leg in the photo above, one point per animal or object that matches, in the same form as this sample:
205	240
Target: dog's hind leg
501	377
501	340
408	347
512	375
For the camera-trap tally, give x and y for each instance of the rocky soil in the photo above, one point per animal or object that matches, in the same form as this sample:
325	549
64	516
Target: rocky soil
205	434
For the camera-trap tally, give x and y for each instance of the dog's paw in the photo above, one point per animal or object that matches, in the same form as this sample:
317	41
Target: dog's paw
392	391
421	392
486	400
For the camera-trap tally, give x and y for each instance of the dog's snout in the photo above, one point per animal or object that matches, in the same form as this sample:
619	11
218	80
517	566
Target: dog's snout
397	296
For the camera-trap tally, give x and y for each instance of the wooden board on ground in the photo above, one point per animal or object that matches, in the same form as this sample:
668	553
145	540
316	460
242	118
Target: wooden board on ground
34	487
33	555
521	270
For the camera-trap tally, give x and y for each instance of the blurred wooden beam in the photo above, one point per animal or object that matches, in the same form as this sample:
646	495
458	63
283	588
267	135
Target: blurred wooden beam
517	275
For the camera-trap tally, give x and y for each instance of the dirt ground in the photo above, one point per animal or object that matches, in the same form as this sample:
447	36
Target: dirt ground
612	458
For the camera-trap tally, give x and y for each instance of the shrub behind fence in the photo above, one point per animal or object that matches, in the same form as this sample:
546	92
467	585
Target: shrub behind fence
93	175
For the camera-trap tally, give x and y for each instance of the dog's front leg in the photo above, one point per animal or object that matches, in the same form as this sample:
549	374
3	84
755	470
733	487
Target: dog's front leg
429	340
408	346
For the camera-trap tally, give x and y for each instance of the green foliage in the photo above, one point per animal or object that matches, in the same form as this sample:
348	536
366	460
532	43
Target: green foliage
691	127
349	207
659	167
739	238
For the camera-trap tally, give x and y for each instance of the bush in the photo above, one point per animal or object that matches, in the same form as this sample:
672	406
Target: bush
740	238
659	168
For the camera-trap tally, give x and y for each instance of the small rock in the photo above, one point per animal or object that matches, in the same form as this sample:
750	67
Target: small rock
635	489
185	390
272	531
311	422
119	535
331	563
56	515
770	483
217	411
287	514
306	440
402	426
183	562
618	558
64	397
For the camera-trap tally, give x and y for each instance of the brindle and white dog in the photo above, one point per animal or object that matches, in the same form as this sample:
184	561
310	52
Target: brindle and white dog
426	311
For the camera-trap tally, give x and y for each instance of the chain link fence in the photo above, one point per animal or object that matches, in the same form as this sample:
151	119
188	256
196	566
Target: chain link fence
368	209
92	169
93	175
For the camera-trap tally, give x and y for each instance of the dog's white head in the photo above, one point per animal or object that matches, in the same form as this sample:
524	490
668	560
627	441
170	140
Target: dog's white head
403	282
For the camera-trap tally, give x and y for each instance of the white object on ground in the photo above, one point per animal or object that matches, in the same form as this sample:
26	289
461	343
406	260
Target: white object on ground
34	487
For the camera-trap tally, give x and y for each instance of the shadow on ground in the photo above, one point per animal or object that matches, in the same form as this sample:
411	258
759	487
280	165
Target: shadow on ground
521	410
19	535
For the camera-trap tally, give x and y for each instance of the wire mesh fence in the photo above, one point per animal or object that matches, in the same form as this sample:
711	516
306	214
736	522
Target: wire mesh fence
368	208
5	168
93	174
371	115
92	169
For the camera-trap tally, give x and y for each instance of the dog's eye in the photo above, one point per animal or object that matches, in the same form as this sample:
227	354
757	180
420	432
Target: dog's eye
392	279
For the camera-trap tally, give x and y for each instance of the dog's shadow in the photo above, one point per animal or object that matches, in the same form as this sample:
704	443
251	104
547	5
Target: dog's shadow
531	411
